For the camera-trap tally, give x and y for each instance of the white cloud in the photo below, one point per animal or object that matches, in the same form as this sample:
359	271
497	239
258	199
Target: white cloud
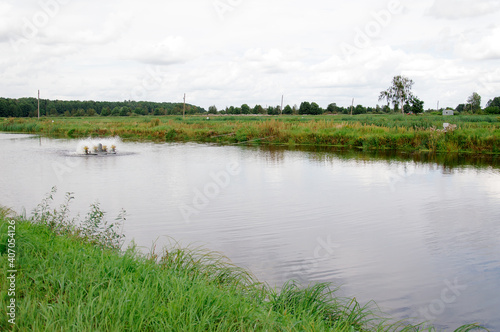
458	9
481	45
6	21
272	61
170	50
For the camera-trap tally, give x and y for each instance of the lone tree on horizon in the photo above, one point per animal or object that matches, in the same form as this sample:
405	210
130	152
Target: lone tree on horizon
399	92
474	102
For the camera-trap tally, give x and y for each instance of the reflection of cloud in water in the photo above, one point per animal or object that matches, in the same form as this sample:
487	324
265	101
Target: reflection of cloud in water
492	185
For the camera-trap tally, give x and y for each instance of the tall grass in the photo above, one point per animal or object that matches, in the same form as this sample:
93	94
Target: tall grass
475	134
69	280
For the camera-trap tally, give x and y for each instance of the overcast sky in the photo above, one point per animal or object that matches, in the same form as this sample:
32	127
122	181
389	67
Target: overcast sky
230	52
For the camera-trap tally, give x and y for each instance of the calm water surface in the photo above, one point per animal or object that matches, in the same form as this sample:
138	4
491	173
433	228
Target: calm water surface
419	238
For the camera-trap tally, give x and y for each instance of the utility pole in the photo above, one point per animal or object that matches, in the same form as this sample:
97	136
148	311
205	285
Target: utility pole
352	105
438	107
282	104
184	108
39	104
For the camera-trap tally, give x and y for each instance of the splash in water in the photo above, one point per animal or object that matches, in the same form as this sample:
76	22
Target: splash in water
93	146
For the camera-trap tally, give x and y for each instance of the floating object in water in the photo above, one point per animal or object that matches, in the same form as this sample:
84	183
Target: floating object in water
97	146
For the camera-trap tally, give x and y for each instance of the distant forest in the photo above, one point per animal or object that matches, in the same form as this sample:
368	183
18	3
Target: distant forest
28	107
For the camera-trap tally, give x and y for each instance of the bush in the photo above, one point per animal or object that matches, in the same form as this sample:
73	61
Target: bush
94	228
492	110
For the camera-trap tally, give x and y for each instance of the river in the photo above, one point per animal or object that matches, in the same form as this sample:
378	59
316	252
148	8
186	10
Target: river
419	235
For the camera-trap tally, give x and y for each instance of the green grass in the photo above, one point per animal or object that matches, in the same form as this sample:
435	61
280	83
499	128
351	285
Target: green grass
70	281
474	134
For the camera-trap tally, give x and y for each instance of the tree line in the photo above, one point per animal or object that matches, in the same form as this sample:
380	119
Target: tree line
28	107
473	105
399	93
305	108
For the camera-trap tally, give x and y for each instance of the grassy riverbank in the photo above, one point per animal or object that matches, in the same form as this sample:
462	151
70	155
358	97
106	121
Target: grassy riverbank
472	134
76	279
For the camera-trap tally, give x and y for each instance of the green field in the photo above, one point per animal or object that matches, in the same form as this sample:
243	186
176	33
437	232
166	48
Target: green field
73	278
478	134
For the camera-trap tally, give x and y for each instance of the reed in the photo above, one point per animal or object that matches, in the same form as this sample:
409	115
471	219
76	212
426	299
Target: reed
473	134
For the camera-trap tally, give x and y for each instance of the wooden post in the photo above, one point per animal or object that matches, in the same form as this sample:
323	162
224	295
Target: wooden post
352	106
282	104
39	104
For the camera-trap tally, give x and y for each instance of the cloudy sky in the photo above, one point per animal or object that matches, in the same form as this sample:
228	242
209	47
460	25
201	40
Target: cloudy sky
230	52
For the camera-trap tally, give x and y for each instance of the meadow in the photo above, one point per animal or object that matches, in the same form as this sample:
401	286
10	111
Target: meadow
477	134
76	278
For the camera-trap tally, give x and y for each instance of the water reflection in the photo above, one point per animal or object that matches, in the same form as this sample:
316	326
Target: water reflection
446	161
393	227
